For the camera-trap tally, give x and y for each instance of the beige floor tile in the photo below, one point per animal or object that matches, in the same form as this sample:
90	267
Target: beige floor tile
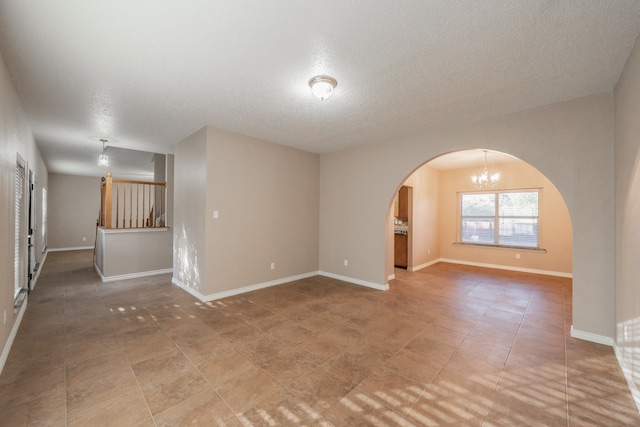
209	347
281	408
174	389
48	409
146	348
449	345
33	384
288	366
360	409
292	333
263	349
97	390
160	366
320	389
248	388
88	369
415	366
203	409
128	409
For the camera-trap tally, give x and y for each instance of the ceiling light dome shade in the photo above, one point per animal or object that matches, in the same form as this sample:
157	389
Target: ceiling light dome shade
322	86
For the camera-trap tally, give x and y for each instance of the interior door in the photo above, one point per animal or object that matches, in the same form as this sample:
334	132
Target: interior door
31	237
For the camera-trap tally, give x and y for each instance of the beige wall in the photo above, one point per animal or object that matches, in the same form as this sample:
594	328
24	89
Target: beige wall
425	225
133	252
74	205
189	209
15	138
170	186
570	143
554	222
266	196
627	225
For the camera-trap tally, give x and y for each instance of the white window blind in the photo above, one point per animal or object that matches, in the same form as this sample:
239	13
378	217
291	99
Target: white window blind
507	218
19	261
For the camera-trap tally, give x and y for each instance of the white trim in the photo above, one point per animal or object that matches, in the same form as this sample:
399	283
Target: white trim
242	290
131	275
12	335
377	286
588	336
132	230
391	277
425	265
77	248
509	267
627	372
186	288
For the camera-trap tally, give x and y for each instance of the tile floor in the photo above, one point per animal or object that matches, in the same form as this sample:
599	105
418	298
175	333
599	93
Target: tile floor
449	345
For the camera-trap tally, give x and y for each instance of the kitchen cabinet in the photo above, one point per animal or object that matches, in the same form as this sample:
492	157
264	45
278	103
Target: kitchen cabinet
400	250
403	202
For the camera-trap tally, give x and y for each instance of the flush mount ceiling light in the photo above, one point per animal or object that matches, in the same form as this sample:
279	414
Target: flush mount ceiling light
103	159
484	179
322	86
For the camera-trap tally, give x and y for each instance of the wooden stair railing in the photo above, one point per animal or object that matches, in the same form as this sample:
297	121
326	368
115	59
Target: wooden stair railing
128	204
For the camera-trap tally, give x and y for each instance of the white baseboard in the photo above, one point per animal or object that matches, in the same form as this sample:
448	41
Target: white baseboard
425	265
242	290
188	289
628	372
390	278
588	336
508	267
77	248
35	279
14	331
355	281
131	275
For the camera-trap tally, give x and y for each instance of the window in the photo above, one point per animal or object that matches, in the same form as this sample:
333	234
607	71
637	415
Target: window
508	218
19	261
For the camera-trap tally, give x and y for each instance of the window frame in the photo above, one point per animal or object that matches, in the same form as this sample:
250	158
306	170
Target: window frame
497	218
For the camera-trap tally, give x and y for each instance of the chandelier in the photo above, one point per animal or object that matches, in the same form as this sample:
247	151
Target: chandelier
484	179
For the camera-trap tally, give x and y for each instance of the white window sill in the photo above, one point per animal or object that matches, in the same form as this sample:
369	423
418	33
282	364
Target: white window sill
505	247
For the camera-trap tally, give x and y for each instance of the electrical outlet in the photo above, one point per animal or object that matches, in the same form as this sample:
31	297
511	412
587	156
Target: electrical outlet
216	215
346	263
428	251
273	265
84	239
517	256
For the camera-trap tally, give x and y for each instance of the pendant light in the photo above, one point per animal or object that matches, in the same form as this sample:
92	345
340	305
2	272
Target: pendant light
103	159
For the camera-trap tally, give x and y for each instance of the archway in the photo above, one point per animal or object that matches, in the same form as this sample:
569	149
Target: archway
435	228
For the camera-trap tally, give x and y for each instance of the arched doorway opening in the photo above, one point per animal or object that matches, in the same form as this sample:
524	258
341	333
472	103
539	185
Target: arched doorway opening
436	229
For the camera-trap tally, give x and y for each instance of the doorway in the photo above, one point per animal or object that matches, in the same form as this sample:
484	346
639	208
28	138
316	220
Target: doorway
32	227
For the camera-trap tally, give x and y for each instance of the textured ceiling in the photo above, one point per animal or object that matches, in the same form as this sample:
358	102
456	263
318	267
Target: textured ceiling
146	74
